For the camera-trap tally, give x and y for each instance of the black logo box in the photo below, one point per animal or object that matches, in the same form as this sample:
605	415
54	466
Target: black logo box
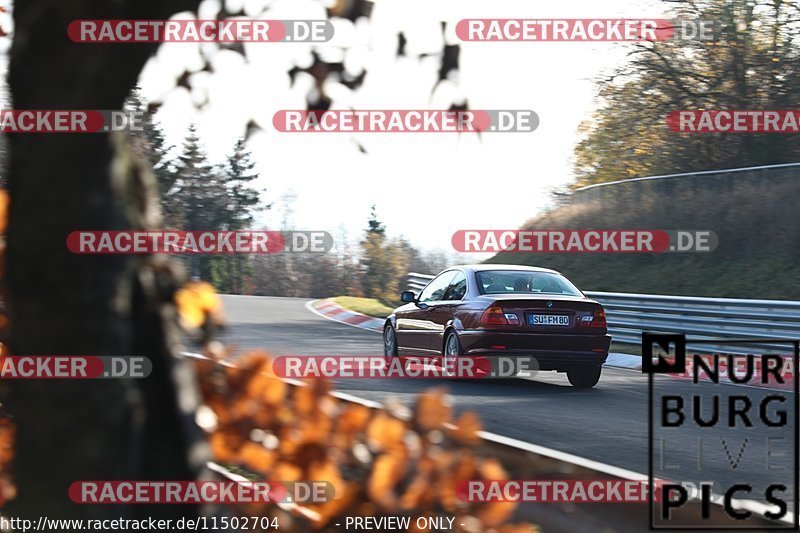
678	366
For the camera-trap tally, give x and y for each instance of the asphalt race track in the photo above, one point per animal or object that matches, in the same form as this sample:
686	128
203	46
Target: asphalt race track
607	423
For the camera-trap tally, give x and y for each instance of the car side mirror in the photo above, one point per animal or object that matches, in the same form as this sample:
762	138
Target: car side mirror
408	297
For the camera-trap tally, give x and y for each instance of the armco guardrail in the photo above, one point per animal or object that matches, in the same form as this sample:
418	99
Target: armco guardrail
701	318
416	282
530	461
628	192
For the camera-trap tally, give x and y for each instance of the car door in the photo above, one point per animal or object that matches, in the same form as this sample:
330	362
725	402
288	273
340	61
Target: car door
443	310
414	325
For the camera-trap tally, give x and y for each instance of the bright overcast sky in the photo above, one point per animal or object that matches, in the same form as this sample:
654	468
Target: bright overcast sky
426	186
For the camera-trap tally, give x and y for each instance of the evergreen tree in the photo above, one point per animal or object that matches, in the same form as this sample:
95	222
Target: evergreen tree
239	174
200	199
196	195
201	196
150	144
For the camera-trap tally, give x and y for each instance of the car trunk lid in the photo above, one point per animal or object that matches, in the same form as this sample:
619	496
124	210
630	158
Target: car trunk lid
551	312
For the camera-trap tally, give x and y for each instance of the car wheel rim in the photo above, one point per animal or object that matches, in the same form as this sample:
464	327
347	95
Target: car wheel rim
388	343
450	354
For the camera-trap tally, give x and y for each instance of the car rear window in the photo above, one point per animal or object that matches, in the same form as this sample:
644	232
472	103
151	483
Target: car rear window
521	282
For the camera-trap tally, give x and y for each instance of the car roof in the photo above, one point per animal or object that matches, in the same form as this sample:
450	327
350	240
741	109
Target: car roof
483	267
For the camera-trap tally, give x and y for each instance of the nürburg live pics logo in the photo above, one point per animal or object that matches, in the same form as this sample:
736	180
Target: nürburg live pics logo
723	434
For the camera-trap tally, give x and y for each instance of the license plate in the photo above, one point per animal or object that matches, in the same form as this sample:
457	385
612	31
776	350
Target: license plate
548	320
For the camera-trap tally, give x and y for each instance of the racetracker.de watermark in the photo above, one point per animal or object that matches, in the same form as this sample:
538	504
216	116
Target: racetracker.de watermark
69	121
74	367
174	492
735	121
413	367
554	490
584	241
200	492
198	242
405	121
200	31
587	30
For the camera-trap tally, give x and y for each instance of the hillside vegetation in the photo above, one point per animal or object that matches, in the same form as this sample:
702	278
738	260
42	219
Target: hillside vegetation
758	225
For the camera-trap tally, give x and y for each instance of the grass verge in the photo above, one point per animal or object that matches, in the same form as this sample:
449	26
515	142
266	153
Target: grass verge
365	306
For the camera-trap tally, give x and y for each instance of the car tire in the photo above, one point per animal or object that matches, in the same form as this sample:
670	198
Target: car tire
450	349
584	378
389	343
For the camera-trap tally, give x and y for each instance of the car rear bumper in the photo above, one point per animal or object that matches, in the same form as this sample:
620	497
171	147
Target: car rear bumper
550	351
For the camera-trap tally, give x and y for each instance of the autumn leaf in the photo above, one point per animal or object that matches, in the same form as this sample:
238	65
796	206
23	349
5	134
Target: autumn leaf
196	302
4	201
466	429
354	418
7	432
256	457
385	475
433	410
385	432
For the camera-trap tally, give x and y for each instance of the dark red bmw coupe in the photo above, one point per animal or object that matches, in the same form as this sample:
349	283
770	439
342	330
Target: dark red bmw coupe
503	310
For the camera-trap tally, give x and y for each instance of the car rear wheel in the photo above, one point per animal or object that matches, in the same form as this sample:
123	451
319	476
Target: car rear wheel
584	378
389	343
451	352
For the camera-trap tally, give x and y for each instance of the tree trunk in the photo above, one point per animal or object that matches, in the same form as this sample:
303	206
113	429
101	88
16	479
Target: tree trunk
66	304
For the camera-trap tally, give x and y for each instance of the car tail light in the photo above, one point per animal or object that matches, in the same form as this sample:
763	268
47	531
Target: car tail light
599	320
494	316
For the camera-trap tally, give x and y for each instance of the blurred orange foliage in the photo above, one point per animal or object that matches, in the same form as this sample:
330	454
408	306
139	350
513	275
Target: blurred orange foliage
197	301
4	201
7	427
380	461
